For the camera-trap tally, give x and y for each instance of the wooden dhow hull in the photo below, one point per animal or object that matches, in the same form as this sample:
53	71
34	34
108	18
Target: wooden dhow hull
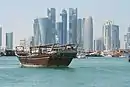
46	61
51	55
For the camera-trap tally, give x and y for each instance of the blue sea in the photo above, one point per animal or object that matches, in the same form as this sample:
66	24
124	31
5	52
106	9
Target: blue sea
91	72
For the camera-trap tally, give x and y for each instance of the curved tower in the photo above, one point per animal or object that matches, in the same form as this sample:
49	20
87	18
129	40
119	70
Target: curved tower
46	36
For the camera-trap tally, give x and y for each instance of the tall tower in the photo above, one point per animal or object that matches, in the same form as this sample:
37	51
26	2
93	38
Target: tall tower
9	40
73	25
115	42
0	36
45	31
111	36
36	32
107	34
88	34
79	33
59	27
64	25
127	39
51	13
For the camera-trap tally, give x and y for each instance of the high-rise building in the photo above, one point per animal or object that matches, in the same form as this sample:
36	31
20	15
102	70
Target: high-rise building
46	36
43	31
125	42
79	33
98	44
115	42
51	13
111	36
64	25
36	32
88	34
83	27
127	39
0	36
59	27
9	40
107	35
31	41
73	25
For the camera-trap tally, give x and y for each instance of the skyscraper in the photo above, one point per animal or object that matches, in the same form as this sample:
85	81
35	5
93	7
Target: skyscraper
88	34
30	41
127	39
115	42
36	32
111	36
43	31
98	44
9	40
83	27
64	25
79	33
125	42
73	25
51	13
46	36
0	36
107	34
59	27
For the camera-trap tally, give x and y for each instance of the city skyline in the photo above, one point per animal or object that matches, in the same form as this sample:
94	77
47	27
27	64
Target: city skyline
18	19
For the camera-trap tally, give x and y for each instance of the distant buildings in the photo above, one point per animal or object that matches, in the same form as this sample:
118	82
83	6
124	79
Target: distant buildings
111	36
9	40
88	34
47	31
79	31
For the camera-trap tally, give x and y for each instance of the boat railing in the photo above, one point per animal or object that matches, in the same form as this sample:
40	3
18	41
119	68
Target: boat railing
50	48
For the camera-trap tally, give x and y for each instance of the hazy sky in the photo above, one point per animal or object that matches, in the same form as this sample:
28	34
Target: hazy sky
18	15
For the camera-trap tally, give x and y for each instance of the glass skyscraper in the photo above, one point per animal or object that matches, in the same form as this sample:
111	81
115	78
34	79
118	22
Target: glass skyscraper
79	33
111	36
88	34
43	31
51	13
59	27
73	25
0	36
36	32
115	42
64	26
9	40
127	39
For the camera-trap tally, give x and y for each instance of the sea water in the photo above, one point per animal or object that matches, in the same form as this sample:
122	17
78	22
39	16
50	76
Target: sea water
91	72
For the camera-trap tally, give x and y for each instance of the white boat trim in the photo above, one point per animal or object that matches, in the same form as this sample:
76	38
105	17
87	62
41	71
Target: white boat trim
38	66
